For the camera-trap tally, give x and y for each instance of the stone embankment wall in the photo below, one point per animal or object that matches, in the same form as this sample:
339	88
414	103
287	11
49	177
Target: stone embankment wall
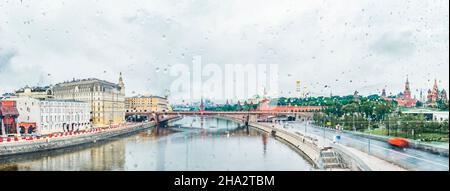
14	148
304	144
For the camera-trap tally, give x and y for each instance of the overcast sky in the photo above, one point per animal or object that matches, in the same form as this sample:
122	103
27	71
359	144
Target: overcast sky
345	45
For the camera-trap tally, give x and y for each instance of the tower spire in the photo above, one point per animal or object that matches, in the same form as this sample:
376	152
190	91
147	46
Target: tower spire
435	86
407	92
120	78
121	84
202	106
407	84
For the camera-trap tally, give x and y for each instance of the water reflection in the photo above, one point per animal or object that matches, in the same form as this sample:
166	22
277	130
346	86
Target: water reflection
192	143
105	157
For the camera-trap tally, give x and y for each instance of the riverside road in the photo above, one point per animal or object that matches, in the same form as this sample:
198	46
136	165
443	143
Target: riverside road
411	159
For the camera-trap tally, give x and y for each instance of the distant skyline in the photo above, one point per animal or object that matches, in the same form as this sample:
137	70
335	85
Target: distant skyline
330	46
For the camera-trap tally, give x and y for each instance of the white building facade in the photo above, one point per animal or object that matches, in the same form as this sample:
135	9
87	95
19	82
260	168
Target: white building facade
440	116
52	116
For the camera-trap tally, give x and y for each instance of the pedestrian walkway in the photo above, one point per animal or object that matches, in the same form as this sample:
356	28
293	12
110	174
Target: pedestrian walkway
374	163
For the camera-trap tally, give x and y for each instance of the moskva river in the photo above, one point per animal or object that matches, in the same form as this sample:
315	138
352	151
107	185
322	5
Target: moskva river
190	144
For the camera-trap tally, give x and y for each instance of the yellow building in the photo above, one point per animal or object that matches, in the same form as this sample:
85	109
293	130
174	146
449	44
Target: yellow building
146	104
107	100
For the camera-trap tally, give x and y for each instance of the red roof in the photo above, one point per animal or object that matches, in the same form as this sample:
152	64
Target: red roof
295	108
27	124
8	108
403	102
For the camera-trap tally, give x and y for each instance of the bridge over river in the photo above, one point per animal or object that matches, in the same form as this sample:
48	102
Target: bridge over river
192	143
253	116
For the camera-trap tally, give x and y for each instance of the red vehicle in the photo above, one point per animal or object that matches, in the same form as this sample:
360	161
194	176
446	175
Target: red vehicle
399	142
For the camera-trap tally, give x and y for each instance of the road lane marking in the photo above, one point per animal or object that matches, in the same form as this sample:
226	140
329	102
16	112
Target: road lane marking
390	150
407	155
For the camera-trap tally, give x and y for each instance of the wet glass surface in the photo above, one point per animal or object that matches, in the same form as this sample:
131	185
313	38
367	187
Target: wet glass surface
190	144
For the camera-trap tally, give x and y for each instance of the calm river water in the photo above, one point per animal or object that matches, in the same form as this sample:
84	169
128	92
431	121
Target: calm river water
190	144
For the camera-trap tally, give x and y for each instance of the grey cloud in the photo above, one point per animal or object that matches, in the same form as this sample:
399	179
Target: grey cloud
395	44
5	58
12	75
317	42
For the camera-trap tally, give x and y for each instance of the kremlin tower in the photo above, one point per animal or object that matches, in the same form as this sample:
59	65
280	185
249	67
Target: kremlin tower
404	99
434	95
407	92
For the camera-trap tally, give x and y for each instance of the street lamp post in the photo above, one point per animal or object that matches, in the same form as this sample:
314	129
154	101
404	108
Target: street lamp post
368	139
396	128
247	122
324	133
388	125
306	126
353	119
